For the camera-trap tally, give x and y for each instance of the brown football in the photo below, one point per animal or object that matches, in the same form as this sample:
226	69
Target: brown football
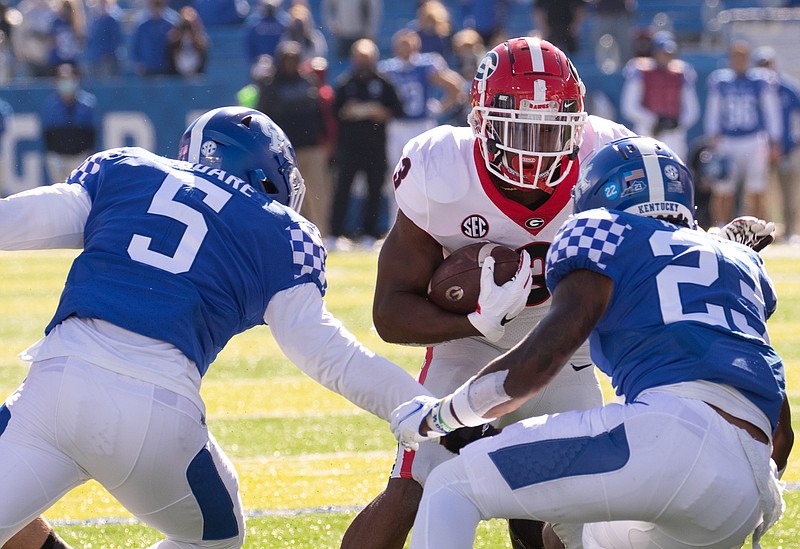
456	283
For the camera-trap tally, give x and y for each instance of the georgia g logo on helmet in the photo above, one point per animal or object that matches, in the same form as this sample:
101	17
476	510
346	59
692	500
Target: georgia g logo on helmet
486	68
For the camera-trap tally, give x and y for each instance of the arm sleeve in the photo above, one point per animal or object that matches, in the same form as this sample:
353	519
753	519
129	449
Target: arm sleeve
323	348
44	218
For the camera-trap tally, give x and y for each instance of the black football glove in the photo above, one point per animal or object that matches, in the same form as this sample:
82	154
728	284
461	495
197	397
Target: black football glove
459	438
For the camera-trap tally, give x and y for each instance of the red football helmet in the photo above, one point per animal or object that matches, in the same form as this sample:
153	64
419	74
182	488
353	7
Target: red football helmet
527	112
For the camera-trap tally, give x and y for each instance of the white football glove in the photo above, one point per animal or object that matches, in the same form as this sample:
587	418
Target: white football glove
407	419
750	231
499	304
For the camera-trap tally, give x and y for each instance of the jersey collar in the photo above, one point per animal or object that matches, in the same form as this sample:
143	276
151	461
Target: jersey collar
532	221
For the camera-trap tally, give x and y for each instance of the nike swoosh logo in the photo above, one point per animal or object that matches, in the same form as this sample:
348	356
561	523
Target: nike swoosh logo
505	320
581	367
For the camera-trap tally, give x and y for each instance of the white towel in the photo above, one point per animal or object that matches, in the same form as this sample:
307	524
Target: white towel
770	489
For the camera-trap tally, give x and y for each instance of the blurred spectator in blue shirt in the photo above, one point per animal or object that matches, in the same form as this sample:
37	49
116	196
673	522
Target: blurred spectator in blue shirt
149	53
67	34
486	17
104	40
432	24
785	172
265	30
221	12
68	124
301	29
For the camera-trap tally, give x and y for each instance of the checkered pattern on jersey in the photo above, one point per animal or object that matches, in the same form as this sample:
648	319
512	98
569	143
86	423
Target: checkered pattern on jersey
595	237
90	166
308	252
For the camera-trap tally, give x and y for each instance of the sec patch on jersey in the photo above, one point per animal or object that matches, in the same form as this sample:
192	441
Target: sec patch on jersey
456	283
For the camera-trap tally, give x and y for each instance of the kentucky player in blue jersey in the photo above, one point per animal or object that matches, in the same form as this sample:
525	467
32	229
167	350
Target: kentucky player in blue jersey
677	319
743	124
178	257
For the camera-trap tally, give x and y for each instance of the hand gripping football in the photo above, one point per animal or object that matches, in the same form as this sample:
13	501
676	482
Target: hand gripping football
456	283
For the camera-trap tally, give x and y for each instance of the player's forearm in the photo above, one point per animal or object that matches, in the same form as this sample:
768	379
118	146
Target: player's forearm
323	348
410	319
578	303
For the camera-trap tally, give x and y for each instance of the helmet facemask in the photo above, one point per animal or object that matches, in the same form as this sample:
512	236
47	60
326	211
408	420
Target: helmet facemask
532	147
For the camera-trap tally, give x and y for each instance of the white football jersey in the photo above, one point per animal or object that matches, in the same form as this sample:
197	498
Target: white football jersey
443	186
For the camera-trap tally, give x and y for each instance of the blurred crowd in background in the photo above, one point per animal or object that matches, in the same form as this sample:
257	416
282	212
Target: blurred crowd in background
349	96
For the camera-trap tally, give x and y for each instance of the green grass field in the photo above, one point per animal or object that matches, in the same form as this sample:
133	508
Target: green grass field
307	459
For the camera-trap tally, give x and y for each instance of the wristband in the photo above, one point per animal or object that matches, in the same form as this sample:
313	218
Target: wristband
455	411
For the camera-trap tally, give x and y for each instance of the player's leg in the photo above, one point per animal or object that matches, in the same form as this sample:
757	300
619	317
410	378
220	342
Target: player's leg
576	387
667	461
183	484
723	191
375	172
150	448
385	522
346	169
756	177
36	535
32	466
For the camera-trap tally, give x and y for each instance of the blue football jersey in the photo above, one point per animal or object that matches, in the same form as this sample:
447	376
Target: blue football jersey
686	306
741	111
182	252
412	81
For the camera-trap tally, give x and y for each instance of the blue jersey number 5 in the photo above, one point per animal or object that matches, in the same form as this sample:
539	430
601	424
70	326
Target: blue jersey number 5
164	204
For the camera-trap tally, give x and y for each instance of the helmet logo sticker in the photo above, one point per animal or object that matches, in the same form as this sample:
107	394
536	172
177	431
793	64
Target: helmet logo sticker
611	191
634	182
475	226
208	148
487	67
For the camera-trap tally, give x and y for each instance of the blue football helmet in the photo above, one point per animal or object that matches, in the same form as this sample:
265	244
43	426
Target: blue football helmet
248	144
639	175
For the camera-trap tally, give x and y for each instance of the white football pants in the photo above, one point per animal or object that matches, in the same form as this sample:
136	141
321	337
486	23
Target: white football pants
673	466
71	421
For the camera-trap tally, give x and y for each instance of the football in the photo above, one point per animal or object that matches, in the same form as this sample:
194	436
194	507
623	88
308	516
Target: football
456	283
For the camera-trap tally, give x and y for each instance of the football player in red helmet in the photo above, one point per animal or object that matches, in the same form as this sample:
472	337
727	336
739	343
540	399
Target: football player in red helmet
506	178
527	113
